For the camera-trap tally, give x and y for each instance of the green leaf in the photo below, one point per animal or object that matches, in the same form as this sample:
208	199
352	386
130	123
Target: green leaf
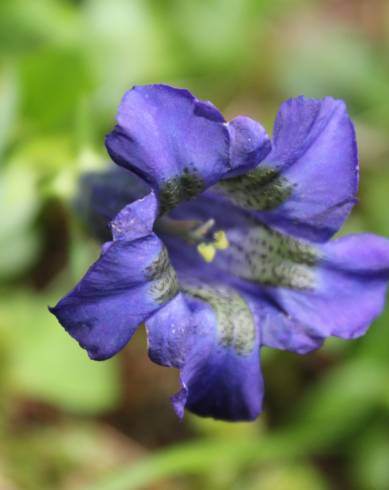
370	466
17	252
18	199
8	104
375	199
309	67
290	477
19	242
134	51
48	364
24	24
202	457
337	406
54	82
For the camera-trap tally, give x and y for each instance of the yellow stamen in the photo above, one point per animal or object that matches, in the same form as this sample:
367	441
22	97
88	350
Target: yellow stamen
207	251
221	241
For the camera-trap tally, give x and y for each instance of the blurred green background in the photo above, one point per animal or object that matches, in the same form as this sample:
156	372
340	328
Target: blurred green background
69	423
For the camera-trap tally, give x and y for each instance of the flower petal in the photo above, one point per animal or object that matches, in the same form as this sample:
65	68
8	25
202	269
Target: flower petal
307	184
167	333
349	293
305	292
131	280
249	144
280	330
136	220
179	144
268	258
221	376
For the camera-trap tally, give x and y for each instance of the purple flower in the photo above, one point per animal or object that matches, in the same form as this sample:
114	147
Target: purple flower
228	250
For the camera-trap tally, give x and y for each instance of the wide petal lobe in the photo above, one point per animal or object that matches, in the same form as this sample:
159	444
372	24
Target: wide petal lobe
347	292
221	376
307	185
179	144
305	292
132	279
168	331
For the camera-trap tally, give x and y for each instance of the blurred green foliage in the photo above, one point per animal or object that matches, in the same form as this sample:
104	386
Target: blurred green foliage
69	423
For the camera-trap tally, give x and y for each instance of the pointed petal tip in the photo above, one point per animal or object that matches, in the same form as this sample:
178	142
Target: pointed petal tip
92	351
54	309
98	356
179	400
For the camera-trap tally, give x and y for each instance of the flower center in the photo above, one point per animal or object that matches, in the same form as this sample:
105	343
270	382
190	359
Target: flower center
195	233
208	250
233	242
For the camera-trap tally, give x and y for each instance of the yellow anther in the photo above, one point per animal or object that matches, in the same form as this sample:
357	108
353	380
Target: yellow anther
207	251
221	241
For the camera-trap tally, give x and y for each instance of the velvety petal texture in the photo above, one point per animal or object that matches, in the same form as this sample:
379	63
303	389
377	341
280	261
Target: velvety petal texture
131	280
212	335
307	185
179	144
168	331
249	144
280	330
347	293
221	376
315	151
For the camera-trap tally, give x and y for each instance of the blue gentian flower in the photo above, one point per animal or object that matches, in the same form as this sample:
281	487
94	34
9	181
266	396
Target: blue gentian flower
228	250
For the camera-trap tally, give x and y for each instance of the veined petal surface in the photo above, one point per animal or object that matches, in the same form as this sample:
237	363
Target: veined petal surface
179	144
221	375
307	185
131	280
